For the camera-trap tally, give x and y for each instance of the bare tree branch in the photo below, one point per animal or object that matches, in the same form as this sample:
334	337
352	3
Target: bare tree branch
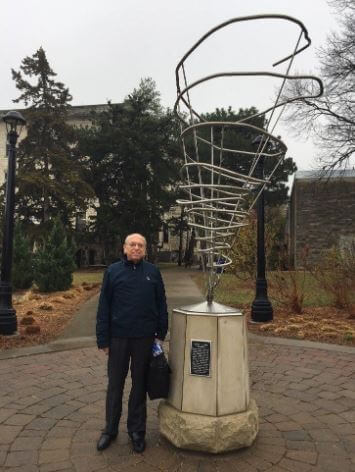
330	119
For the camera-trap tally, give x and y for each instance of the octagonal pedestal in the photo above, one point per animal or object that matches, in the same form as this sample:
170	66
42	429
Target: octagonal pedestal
209	406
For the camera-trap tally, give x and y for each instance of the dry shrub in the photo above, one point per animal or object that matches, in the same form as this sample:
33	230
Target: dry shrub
34	296
46	306
266	327
288	287
27	320
32	329
68	295
58	300
335	273
79	289
88	287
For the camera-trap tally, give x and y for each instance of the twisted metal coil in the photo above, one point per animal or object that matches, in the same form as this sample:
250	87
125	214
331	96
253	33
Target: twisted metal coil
218	197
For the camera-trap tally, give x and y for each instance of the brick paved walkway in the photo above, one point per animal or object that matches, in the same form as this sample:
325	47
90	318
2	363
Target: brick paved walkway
52	408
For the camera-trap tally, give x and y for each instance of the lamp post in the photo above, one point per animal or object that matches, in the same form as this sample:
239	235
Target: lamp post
261	309
8	322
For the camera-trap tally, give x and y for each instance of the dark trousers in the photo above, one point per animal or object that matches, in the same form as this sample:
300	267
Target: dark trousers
121	352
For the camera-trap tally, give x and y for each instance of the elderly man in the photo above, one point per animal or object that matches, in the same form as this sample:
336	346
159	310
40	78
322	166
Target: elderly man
132	313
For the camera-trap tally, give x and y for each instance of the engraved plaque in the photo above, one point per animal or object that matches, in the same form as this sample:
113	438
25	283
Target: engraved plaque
200	357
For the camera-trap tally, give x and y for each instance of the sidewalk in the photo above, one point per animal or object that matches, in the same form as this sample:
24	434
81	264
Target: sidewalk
52	408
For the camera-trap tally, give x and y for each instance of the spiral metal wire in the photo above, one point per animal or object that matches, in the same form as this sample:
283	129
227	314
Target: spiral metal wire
218	197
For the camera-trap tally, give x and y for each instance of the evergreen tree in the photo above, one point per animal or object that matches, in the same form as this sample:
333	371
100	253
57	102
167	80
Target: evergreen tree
54	261
132	157
49	177
22	265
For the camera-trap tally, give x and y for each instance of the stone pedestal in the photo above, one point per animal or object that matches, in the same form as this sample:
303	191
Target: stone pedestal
209	408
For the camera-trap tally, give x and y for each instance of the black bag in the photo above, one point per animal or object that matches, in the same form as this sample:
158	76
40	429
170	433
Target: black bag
158	381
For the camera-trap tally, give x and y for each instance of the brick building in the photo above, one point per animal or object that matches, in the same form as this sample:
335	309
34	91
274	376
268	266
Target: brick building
321	213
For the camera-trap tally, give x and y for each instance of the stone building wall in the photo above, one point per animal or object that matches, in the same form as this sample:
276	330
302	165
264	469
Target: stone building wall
322	214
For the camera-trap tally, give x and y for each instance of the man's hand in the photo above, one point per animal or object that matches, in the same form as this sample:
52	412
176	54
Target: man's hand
105	350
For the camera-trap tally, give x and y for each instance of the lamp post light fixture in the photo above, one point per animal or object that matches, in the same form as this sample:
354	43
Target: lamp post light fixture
8	323
261	309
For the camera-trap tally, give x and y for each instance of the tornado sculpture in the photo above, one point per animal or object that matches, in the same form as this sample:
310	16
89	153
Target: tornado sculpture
222	182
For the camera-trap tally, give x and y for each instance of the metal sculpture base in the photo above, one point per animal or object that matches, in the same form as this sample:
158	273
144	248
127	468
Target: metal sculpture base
209	407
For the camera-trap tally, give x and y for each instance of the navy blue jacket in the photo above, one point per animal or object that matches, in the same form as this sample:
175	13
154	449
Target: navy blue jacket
132	303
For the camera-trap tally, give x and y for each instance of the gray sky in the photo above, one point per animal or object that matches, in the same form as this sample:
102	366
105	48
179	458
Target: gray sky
101	50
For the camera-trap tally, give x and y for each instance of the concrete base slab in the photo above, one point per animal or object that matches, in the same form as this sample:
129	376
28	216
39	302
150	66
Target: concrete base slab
214	434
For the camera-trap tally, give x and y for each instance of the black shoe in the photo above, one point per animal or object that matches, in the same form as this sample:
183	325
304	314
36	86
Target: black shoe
105	441
138	441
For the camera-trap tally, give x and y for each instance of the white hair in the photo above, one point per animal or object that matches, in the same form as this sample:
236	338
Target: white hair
135	234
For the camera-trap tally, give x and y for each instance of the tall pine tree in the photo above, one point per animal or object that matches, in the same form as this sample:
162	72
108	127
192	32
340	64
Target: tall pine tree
132	157
49	177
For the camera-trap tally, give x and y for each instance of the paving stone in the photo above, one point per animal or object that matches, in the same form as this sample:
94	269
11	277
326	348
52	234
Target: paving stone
56	443
329	395
60	412
8	433
56	466
19	419
287	426
323	435
331	448
161	457
296	435
294	466
32	433
90	464
26	443
41	424
24	468
57	455
61	432
331	463
301	445
38	409
6	413
348	394
21	458
293	429
3	455
308	457
258	463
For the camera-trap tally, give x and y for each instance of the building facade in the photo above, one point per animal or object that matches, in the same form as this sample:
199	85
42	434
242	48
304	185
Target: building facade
321	214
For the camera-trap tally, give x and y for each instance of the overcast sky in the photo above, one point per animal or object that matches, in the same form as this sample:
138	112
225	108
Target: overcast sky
101	49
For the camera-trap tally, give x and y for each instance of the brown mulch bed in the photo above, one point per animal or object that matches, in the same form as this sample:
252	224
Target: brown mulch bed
323	324
41	317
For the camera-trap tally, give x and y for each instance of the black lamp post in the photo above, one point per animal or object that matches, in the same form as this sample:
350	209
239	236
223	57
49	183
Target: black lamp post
8	322
261	309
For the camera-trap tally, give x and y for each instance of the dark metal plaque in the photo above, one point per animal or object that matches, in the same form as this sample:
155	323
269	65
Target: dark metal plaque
200	357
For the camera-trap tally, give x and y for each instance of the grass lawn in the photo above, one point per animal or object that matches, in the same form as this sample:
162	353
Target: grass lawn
319	320
88	276
236	292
